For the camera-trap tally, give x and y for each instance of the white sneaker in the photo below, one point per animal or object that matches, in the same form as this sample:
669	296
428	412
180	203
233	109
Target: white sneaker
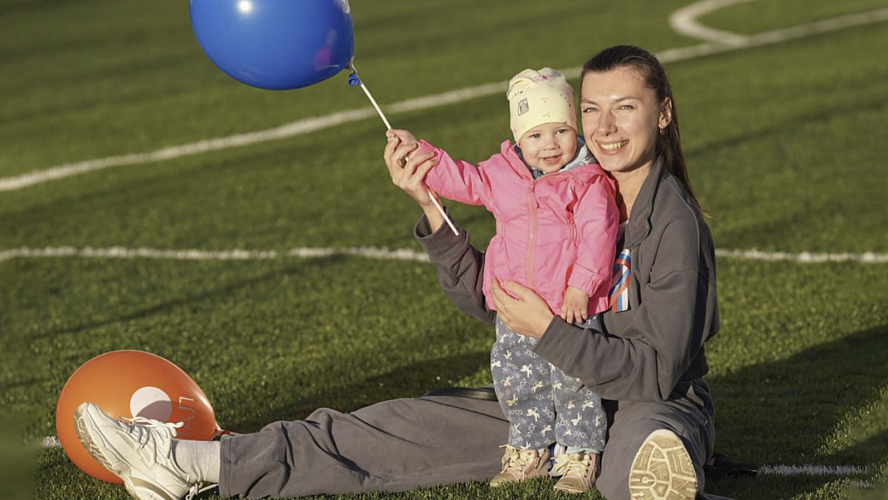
662	469
577	470
138	451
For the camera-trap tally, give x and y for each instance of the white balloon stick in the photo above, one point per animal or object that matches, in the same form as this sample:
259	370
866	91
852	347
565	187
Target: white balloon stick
388	126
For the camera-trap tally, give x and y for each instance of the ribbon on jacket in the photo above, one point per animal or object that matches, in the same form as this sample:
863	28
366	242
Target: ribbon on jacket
619	292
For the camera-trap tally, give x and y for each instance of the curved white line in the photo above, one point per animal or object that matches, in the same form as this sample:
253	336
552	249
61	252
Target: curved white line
684	21
305	126
282	132
292	129
817	28
374	253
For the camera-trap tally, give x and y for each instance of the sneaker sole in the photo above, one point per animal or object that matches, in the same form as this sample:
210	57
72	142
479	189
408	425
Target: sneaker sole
86	439
541	470
572	488
533	475
662	469
80	427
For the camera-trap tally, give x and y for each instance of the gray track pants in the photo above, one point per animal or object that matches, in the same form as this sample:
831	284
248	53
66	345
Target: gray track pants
410	443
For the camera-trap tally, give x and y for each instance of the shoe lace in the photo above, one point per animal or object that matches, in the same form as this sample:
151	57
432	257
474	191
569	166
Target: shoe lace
144	430
150	422
139	425
197	489
168	428
514	458
575	463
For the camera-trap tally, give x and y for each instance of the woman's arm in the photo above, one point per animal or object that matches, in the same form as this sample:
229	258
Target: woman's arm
459	266
521	309
658	342
662	346
643	362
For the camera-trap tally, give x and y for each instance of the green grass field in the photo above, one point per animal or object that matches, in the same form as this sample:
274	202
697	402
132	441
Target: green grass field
785	143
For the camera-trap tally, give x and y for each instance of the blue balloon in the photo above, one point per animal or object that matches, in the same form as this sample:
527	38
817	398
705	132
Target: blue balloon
275	44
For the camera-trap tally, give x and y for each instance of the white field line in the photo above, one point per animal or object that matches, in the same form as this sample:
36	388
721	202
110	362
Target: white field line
372	253
220	255
683	21
736	42
233	141
292	129
686	21
804	257
813	470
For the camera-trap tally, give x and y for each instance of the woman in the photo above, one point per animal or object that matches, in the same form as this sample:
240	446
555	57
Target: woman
648	358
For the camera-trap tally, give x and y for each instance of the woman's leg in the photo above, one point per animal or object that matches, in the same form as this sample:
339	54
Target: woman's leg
690	418
390	446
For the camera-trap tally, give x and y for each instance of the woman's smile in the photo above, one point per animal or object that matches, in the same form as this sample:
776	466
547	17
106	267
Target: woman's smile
612	147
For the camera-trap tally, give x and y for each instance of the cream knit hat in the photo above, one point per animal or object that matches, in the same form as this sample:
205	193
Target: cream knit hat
537	97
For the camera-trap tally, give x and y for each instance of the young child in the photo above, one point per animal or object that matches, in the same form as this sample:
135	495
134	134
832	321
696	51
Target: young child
556	227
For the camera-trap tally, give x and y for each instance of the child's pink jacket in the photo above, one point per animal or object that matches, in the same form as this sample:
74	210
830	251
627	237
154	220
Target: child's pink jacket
554	231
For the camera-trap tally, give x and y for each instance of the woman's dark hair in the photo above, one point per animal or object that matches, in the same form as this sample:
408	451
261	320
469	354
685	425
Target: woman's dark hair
654	76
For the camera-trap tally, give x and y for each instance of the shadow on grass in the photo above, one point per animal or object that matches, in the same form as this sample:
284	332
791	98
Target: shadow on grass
789	412
220	290
778	413
802	411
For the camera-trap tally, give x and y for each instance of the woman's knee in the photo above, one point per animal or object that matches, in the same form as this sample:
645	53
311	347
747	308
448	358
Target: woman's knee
630	431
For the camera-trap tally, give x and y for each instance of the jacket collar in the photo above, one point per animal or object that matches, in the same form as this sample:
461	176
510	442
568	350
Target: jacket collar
582	156
639	225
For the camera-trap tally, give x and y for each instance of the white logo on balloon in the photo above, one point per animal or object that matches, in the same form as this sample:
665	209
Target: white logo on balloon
151	402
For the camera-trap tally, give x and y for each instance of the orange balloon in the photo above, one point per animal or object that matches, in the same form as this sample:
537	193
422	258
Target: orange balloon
132	384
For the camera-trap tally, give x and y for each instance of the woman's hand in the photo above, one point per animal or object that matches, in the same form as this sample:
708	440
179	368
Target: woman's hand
521	309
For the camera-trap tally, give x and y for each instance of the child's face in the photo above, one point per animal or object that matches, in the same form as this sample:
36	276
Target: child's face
549	146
